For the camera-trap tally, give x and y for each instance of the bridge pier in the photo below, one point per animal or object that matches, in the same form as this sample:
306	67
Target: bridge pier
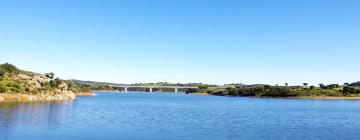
176	90
126	89
151	89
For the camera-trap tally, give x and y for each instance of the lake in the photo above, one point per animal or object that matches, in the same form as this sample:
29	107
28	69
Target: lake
170	116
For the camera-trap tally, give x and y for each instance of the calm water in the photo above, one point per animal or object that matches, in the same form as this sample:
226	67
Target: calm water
144	116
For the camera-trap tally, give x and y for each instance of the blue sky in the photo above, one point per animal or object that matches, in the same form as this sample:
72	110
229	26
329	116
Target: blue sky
212	41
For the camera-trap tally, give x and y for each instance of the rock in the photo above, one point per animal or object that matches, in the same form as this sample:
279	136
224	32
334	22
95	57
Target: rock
63	86
2	99
69	94
41	79
85	94
33	84
63	96
23	76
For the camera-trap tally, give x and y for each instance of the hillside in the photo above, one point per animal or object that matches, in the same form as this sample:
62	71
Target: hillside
20	85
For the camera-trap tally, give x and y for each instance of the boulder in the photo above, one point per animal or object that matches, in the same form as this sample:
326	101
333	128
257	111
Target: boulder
2	98
33	84
41	79
63	86
69	94
23	76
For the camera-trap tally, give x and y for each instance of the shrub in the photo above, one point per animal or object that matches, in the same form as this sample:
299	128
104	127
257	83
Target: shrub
350	90
2	74
10	86
278	92
55	83
8	68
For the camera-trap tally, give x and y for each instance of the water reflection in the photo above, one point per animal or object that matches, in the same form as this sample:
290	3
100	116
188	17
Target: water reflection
49	114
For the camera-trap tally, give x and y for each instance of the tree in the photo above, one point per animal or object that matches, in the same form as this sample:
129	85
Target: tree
322	86
332	86
305	84
355	84
286	84
312	87
349	90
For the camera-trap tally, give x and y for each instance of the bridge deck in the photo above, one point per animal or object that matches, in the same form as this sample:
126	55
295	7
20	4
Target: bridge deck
178	87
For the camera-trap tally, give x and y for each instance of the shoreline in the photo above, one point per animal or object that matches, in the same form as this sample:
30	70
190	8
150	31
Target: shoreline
82	94
296	97
36	98
112	91
324	98
308	97
71	96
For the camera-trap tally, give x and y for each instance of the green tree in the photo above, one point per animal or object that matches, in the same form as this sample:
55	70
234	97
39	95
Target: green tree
349	90
305	84
322	86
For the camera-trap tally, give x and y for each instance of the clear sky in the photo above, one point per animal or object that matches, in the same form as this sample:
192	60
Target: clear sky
207	41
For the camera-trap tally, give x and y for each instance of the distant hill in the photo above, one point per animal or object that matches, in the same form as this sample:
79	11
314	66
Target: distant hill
94	82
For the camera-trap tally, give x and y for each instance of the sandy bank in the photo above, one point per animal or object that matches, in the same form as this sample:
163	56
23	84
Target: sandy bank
325	98
39	97
85	94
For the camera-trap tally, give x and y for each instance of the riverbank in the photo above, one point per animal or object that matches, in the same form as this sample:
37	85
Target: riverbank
325	98
110	91
38	97
85	94
297	97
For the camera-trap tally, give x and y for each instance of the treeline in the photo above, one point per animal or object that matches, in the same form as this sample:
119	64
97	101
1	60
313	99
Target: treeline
173	84
353	84
282	91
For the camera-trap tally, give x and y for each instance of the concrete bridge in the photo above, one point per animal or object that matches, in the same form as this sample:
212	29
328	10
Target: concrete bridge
151	88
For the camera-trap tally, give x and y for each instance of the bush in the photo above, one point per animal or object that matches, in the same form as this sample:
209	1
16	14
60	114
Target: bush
351	90
8	68
55	83
2	74
278	92
10	86
332	86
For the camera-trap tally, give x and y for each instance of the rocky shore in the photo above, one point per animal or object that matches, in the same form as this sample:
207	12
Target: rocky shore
85	94
38	97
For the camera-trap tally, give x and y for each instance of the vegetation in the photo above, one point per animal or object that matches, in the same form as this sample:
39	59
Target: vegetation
6	85
16	81
92	85
172	84
334	90
78	88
